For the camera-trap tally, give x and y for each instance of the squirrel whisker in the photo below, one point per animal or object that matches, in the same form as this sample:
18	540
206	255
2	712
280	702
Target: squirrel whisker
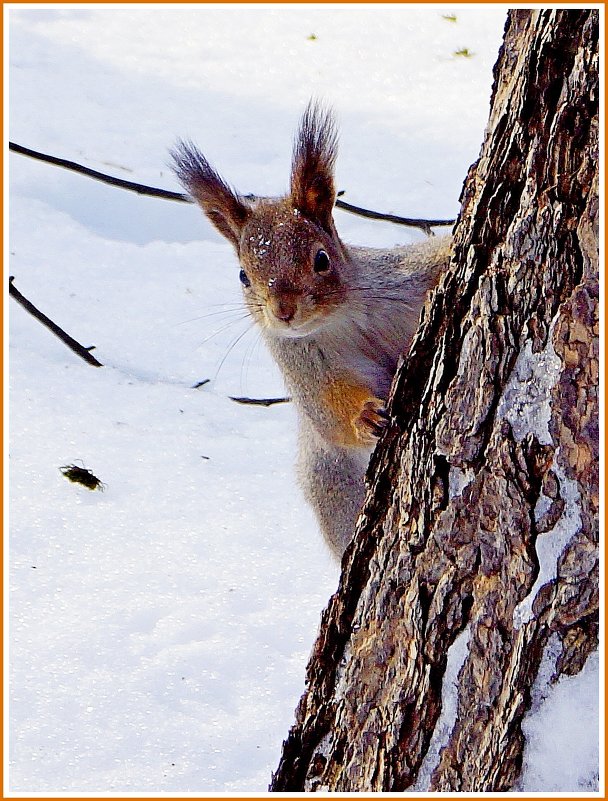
231	347
223	328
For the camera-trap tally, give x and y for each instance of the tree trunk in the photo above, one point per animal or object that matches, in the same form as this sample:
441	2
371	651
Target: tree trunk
482	514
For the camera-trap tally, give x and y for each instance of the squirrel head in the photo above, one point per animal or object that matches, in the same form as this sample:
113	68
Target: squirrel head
293	265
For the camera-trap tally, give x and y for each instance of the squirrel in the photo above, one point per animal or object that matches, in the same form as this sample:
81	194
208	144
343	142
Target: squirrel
335	317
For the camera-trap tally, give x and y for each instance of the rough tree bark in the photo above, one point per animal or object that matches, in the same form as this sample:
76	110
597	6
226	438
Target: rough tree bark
483	510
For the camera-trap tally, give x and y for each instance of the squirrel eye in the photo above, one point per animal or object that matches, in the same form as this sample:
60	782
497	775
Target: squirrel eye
321	264
243	279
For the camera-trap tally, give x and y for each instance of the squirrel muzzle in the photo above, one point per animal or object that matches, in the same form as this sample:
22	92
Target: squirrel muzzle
282	299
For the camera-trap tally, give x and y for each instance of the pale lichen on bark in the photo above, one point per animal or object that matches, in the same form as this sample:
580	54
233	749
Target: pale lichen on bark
445	724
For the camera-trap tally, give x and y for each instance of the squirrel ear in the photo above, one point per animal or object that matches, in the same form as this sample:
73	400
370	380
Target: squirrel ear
312	171
224	207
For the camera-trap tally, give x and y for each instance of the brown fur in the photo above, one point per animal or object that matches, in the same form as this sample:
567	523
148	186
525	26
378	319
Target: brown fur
353	411
224	207
312	174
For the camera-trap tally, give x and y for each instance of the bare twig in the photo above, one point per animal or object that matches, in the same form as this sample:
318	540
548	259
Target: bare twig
79	349
152	191
412	222
131	186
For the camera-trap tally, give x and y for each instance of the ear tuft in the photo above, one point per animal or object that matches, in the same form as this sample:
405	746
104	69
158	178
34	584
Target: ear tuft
312	172
224	207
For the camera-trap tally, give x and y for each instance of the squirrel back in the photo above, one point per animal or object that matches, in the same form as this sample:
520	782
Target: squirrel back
336	318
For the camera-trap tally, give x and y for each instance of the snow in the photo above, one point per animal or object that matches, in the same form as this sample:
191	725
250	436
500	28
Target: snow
159	629
563	734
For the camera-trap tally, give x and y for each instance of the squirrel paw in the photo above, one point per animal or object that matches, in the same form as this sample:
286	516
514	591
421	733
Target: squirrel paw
372	420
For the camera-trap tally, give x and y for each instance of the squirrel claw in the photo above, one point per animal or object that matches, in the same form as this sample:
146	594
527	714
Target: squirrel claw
373	420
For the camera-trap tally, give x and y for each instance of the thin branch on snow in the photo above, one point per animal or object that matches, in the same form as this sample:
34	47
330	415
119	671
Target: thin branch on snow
75	346
260	401
85	354
424	225
131	186
152	191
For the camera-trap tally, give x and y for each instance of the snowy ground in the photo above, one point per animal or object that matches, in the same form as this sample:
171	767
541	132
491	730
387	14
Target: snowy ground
159	630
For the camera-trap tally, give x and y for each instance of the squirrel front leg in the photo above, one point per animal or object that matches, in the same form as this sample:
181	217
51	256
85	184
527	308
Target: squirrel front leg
356	416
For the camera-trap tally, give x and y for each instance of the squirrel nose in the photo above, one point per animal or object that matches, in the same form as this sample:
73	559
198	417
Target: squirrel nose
283	299
284	308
